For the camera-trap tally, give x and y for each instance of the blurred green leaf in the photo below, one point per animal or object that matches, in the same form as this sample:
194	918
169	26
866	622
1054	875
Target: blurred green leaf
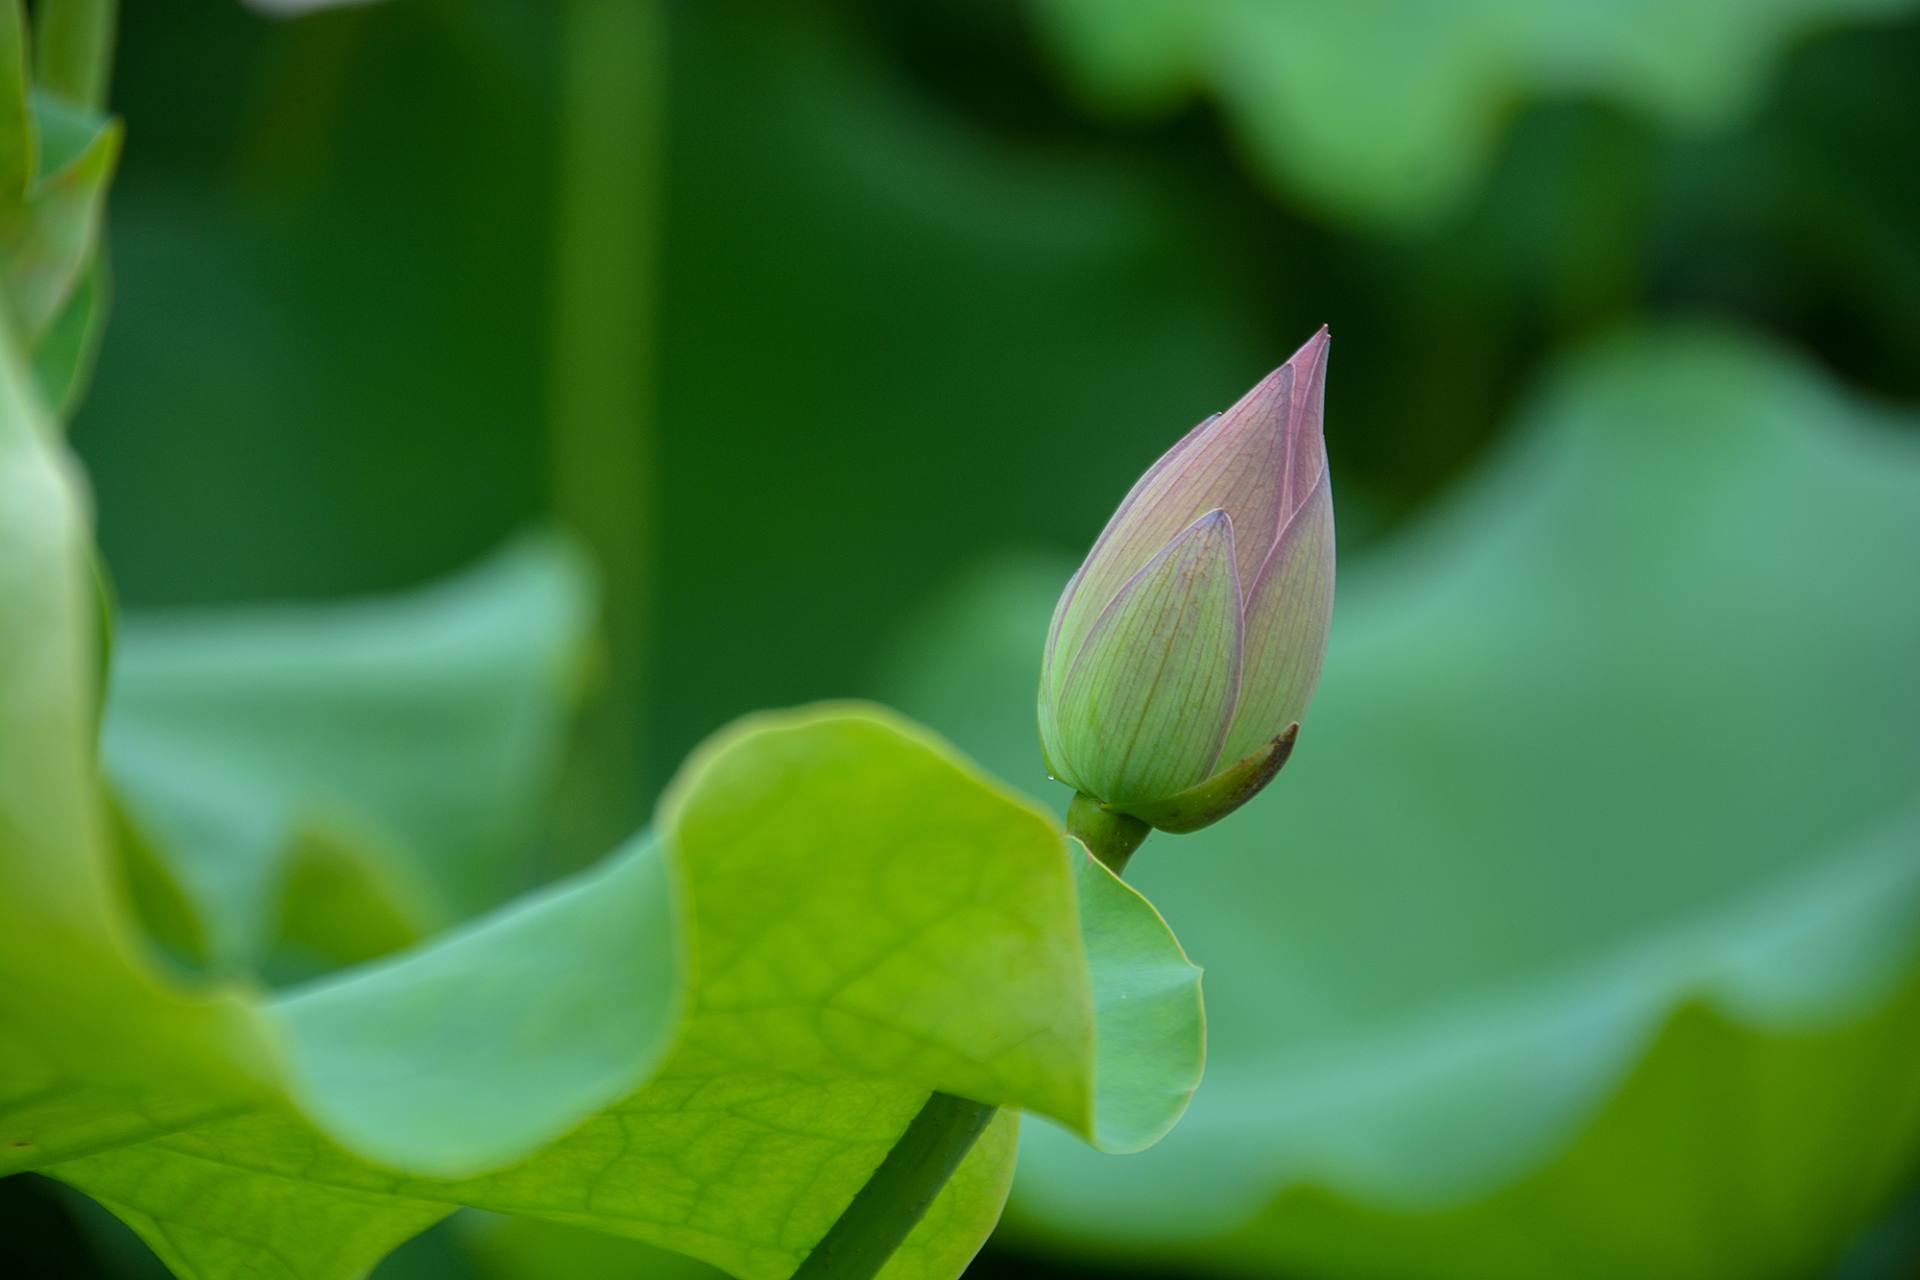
1579	936
405	744
16	119
63	363
49	232
73	48
1388	111
163	905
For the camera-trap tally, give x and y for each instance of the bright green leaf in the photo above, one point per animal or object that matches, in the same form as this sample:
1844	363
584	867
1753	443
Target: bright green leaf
867	920
706	1043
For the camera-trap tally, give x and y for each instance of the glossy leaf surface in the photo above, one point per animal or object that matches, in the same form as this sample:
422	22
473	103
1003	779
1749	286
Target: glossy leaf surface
707	1042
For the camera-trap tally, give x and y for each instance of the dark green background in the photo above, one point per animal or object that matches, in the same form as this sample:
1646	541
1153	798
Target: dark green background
913	305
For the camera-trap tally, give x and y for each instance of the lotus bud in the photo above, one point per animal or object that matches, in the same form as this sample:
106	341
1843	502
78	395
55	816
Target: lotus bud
1184	651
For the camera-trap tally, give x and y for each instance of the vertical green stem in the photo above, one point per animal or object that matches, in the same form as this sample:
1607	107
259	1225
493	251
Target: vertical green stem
73	49
1110	837
606	228
885	1211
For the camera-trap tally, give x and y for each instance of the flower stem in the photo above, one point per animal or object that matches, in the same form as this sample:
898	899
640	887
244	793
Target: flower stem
884	1212
1110	837
607	193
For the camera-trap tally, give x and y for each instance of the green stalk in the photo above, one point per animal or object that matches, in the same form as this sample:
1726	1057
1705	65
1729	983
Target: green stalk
884	1212
607	196
73	49
1110	837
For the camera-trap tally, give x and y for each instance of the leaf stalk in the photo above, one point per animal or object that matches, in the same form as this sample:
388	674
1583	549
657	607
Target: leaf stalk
884	1212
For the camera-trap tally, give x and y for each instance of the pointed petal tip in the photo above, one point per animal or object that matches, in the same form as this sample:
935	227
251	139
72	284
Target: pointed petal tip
1211	535
1310	357
1209	526
1311	383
